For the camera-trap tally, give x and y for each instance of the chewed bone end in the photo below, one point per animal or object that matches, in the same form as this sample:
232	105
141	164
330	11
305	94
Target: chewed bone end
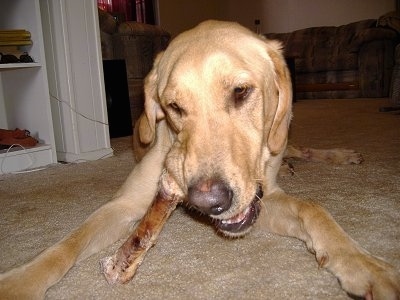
122	266
107	265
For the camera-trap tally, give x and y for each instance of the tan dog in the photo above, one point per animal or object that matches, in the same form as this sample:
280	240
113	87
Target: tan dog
217	112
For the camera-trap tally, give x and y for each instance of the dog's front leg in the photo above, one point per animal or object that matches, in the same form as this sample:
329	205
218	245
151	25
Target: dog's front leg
106	225
359	272
31	280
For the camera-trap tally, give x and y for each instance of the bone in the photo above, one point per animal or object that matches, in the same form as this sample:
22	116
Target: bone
122	266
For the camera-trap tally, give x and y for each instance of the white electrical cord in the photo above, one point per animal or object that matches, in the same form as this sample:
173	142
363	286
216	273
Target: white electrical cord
27	169
75	111
31	158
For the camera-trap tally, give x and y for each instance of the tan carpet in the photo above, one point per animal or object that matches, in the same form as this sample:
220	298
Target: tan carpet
190	261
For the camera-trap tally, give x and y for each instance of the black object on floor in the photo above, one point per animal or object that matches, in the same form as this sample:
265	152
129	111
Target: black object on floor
117	95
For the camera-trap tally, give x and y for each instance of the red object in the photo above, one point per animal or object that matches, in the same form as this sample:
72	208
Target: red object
123	7
141	11
17	136
105	5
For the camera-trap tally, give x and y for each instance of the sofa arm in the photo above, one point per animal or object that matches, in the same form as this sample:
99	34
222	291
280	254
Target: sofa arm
376	61
107	49
371	34
138	44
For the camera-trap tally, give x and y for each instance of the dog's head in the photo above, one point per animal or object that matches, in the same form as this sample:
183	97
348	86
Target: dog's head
226	96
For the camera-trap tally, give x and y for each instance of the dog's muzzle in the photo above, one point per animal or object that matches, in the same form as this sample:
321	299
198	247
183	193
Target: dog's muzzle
213	197
244	220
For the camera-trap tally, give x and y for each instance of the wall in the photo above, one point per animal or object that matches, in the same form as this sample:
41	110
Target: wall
289	15
176	16
276	16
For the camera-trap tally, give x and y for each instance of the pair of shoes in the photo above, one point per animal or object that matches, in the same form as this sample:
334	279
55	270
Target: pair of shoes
25	58
17	136
12	59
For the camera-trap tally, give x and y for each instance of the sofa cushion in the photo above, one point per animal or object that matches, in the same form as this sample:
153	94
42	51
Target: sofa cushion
329	47
317	63
327	77
370	35
327	39
352	60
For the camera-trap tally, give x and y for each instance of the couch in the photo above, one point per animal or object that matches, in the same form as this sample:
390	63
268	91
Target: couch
394	95
348	61
137	44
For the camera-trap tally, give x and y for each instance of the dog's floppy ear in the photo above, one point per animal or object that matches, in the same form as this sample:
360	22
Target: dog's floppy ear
145	126
279	111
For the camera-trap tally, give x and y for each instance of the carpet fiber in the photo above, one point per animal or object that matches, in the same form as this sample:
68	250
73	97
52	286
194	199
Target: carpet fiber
190	261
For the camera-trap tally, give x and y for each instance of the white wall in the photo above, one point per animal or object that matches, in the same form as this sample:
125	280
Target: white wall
275	15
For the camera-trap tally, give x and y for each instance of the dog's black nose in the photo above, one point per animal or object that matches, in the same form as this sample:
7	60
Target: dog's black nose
210	196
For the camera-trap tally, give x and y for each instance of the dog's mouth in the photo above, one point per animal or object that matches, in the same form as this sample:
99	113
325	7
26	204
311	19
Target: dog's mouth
242	222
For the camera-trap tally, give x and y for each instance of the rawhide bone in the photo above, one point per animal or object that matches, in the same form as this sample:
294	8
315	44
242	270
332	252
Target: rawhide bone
121	267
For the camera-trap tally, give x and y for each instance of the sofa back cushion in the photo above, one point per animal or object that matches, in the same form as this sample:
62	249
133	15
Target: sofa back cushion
324	48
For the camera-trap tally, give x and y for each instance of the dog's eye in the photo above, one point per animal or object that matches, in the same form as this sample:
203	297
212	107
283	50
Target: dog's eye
241	92
175	108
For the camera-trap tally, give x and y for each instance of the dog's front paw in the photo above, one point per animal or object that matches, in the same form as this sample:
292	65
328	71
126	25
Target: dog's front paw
372	278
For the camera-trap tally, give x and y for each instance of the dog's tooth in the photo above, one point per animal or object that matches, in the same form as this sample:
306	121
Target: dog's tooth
239	217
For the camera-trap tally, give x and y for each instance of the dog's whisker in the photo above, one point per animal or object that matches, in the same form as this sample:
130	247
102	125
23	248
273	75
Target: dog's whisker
258	180
262	221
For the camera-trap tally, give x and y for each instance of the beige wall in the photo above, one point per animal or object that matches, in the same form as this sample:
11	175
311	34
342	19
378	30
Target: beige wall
176	16
275	15
289	15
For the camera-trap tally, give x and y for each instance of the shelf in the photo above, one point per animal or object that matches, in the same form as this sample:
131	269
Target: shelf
16	149
17	159
73	61
24	92
5	67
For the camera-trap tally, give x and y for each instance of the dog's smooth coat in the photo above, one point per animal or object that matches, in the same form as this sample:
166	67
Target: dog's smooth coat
217	113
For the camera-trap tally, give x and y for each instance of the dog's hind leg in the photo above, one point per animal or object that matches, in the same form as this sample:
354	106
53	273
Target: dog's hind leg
103	227
359	273
336	156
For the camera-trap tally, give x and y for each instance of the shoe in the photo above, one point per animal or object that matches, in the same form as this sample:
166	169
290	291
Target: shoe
17	136
8	59
25	58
